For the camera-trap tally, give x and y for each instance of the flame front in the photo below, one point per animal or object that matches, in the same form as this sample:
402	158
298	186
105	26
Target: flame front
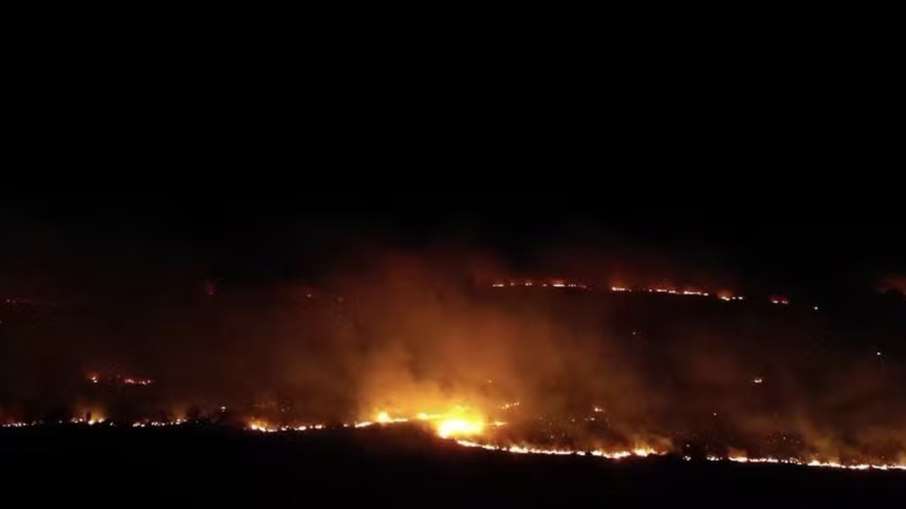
455	428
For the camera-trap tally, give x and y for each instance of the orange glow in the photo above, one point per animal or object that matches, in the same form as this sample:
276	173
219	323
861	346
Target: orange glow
383	417
90	416
460	421
260	425
448	428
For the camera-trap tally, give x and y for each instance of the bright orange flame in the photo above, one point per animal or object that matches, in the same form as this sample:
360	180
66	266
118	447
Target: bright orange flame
259	425
457	427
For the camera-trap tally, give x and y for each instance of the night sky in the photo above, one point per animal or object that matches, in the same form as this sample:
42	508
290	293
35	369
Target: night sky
260	166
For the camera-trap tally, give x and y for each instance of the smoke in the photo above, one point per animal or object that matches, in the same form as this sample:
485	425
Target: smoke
893	283
424	331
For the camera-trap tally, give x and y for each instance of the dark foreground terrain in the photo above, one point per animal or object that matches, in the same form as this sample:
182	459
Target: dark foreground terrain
103	466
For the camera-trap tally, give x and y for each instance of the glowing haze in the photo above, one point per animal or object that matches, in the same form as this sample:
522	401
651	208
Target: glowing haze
432	336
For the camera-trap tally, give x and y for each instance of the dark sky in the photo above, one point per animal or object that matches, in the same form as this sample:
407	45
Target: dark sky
261	165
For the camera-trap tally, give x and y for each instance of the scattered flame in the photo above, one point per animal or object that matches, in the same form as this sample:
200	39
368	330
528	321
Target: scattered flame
545	283
810	463
96	378
259	425
723	295
508	406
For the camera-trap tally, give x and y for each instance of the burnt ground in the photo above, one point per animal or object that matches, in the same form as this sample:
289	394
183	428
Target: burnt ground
104	466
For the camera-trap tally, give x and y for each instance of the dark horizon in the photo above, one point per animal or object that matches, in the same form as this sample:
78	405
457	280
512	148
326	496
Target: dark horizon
258	237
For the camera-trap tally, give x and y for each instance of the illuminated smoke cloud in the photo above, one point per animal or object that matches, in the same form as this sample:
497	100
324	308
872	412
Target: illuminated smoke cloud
572	363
